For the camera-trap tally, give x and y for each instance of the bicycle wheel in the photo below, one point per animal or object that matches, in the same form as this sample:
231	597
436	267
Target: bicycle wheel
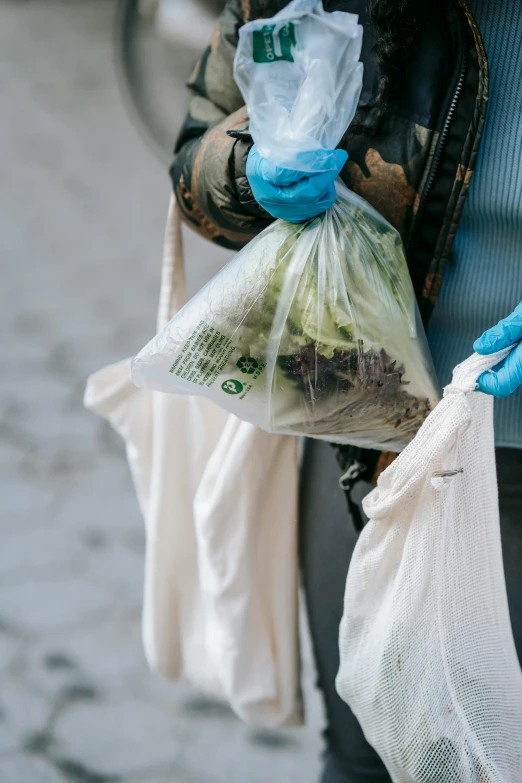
157	45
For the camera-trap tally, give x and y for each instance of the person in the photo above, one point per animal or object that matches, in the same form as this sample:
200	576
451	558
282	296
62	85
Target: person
436	147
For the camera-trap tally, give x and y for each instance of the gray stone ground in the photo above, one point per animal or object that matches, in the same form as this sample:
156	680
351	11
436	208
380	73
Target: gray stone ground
82	205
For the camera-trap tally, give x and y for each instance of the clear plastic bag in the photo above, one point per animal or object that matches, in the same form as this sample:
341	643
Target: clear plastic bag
312	328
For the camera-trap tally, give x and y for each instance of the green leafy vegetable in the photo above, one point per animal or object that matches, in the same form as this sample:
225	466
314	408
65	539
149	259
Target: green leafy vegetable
335	323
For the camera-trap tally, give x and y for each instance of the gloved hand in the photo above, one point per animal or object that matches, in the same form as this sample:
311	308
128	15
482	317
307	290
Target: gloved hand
508	374
295	195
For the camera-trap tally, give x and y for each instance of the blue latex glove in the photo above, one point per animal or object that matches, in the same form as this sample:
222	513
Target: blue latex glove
295	195
507	376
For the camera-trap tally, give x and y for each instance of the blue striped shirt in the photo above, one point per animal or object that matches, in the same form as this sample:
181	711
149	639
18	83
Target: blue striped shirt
483	281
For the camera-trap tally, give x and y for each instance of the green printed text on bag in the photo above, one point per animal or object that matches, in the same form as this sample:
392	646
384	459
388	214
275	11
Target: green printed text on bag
272	45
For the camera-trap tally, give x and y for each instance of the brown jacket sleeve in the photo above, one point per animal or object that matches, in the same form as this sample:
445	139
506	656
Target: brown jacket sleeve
208	173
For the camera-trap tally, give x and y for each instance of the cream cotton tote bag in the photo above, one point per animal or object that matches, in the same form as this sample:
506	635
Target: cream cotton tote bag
219	500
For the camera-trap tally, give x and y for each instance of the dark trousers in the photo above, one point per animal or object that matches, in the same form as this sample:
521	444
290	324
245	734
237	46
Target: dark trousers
327	539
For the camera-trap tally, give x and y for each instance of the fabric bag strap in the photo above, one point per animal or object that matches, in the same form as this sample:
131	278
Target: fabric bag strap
173	290
466	374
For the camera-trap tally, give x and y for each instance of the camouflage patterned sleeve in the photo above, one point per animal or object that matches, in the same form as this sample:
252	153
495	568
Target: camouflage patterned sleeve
209	170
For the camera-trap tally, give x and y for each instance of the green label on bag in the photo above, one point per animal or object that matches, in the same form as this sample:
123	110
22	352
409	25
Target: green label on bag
232	387
272	43
248	365
204	356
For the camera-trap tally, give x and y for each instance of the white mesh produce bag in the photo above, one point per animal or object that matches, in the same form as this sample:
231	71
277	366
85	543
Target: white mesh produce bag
428	661
312	329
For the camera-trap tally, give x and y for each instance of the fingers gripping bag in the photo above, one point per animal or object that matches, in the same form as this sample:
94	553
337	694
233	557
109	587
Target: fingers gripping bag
312	328
427	658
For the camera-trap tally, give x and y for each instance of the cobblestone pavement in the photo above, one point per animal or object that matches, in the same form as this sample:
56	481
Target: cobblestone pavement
83	205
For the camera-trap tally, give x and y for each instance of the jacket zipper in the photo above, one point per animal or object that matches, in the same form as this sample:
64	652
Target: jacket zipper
445	130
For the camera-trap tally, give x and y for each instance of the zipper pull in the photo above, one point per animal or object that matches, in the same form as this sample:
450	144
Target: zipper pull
241	135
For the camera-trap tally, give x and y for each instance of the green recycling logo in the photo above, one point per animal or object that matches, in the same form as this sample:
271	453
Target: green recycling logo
248	365
232	387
